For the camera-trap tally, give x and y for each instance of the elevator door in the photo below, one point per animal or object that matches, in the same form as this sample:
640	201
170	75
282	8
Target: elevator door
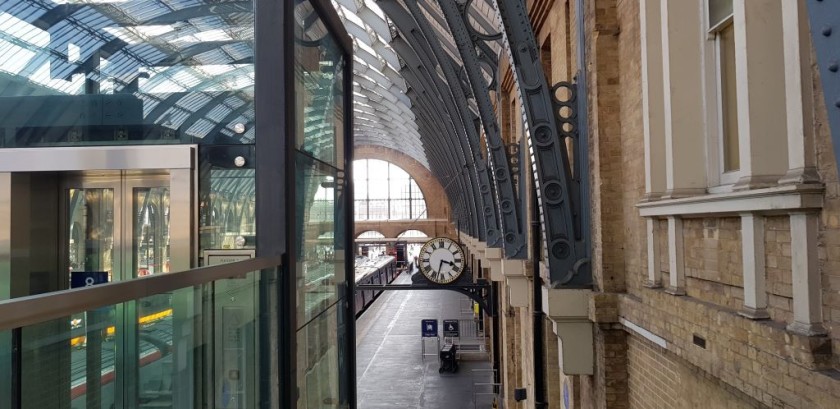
118	228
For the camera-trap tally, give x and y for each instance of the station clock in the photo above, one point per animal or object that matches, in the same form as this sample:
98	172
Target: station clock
441	260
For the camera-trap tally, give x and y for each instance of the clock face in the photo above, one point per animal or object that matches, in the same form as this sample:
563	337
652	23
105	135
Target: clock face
441	260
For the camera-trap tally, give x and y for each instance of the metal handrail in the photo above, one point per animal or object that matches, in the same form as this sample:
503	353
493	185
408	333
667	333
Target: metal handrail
34	309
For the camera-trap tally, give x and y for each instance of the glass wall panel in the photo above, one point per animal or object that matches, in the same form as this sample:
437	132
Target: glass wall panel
320	208
317	264
319	66
319	355
227	195
194	347
131	71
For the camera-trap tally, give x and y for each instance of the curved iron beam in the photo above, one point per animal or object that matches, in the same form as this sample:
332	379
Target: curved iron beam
426	79
433	55
563	199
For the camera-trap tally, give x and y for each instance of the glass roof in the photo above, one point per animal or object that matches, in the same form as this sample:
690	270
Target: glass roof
187	63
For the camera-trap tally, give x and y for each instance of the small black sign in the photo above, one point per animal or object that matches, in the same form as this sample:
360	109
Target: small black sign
450	328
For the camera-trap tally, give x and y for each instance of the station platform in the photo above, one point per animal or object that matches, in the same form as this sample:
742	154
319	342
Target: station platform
391	370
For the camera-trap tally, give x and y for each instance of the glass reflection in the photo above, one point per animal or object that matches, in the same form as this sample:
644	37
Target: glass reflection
319	88
133	71
318	362
318	265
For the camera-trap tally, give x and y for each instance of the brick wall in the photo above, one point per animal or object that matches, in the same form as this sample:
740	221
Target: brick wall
713	260
777	261
632	139
605	156
657	379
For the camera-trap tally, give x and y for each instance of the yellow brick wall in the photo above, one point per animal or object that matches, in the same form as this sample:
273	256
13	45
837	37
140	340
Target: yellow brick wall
777	261
658	379
632	168
713	265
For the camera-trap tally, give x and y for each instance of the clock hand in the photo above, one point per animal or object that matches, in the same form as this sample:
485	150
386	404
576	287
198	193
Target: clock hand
447	262
440	265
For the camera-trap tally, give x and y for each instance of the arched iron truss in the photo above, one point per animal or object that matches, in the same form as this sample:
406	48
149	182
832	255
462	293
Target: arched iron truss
450	87
563	194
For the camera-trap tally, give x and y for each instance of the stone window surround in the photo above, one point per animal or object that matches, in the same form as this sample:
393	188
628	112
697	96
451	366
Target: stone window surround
678	65
680	98
801	202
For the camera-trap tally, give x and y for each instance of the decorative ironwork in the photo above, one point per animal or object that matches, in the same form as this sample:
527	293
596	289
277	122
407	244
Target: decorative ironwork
549	121
515	241
430	53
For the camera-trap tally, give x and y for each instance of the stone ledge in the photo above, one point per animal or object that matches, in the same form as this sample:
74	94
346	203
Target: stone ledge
494	262
777	199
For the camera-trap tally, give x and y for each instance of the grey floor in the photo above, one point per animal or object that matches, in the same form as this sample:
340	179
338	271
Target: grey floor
391	373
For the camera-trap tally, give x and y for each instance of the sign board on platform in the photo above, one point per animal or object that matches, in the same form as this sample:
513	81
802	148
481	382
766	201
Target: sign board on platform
451	328
429	328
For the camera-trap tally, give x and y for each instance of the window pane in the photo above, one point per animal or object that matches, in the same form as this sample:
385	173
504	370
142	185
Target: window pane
729	96
125	72
319	88
400	209
719	11
317	266
385	181
361	210
378	210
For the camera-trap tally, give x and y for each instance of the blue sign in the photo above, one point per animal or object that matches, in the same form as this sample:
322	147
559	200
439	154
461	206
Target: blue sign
429	328
566	399
79	279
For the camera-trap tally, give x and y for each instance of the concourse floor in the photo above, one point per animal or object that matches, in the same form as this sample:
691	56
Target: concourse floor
390	369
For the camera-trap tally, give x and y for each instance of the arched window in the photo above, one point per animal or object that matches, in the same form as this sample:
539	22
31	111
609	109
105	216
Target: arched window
412	233
385	191
371	234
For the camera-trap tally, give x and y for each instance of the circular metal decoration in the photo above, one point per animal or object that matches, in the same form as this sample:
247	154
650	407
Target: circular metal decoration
441	260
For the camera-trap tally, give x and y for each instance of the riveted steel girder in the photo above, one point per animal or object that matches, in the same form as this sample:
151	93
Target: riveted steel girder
515	239
562	198
437	143
417	55
441	126
444	168
430	52
825	31
455	178
423	76
445	135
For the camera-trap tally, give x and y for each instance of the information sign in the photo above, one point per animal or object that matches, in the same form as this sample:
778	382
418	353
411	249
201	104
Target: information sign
429	328
450	328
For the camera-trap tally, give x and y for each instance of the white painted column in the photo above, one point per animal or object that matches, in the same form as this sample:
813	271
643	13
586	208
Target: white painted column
752	250
683	113
676	249
799	95
759	77
654	278
653	105
807	302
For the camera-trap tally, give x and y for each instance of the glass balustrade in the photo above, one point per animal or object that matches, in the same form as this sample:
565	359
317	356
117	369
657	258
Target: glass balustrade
191	347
